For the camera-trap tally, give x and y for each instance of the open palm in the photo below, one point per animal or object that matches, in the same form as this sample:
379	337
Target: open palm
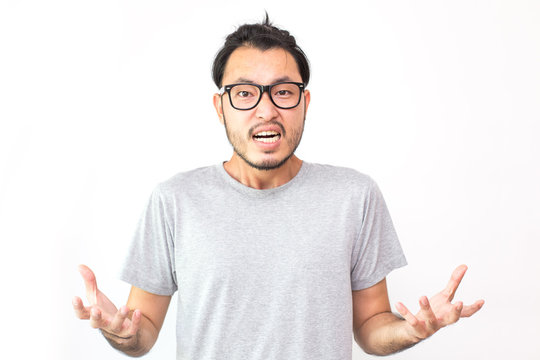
102	313
438	311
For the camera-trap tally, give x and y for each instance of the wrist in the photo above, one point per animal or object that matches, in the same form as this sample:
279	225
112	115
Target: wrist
408	333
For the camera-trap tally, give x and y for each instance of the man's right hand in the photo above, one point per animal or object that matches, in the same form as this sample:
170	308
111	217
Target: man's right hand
103	314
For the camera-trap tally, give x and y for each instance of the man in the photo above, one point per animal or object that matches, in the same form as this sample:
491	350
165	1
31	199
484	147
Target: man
273	257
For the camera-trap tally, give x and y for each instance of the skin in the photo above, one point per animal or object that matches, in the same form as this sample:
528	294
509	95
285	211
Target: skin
133	332
376	329
264	68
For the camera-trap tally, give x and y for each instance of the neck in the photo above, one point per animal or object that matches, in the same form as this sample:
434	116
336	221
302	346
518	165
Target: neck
262	179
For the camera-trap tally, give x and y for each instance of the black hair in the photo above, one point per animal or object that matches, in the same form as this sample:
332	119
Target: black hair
263	36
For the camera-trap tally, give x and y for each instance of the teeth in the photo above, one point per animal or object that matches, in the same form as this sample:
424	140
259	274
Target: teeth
269	140
267	133
267	136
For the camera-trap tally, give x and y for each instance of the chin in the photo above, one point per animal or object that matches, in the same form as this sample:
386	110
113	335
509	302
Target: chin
267	165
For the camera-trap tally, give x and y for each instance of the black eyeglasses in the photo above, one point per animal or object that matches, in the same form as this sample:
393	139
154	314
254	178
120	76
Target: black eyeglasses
245	96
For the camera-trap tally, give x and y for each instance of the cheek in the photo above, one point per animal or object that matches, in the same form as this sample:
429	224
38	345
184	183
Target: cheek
295	121
237	122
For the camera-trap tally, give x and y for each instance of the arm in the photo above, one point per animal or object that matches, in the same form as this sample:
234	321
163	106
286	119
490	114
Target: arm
380	332
133	332
376	330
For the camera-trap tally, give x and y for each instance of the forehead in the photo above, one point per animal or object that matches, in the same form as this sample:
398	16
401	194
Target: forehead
260	66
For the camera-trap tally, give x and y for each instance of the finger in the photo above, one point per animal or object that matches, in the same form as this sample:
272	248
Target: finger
96	319
81	312
418	326
426	313
117	322
454	282
472	309
454	314
89	283
135	323
407	315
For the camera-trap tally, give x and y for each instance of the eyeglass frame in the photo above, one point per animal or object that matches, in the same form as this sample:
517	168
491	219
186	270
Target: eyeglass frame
263	89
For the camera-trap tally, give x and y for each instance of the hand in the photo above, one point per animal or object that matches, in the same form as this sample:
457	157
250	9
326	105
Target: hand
102	313
439	312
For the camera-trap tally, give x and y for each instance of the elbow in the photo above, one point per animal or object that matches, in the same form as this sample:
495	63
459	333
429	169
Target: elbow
362	341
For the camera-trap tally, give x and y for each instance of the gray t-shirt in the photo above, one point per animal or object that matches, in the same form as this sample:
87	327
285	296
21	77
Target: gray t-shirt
264	274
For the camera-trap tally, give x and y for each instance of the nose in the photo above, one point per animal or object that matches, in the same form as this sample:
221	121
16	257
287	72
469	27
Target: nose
266	109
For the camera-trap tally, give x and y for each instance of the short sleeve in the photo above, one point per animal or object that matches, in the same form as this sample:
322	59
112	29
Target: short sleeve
150	263
377	250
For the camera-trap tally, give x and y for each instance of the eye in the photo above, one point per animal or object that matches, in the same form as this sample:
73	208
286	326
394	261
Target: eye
284	90
243	93
283	93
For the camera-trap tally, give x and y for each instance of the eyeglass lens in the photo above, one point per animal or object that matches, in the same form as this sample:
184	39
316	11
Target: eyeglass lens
246	96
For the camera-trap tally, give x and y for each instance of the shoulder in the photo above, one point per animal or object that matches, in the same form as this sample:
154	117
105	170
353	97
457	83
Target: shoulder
187	181
341	177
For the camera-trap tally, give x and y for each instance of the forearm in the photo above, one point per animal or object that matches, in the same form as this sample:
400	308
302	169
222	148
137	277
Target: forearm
384	334
138	344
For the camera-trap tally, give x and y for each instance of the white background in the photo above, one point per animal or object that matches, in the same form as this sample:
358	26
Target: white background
437	100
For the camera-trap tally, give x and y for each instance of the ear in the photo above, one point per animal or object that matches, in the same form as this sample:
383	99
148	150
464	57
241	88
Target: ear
218	106
307	99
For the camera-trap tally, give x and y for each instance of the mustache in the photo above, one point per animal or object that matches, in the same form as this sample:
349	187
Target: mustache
271	122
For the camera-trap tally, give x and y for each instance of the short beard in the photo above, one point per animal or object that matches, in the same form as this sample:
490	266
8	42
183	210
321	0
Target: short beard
266	165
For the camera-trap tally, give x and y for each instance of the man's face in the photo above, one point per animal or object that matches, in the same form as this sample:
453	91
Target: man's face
245	127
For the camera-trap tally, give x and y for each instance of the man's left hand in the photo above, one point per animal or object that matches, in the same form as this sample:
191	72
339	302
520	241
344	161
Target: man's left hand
438	311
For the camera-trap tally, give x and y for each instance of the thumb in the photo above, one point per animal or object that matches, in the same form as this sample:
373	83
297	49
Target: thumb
90	283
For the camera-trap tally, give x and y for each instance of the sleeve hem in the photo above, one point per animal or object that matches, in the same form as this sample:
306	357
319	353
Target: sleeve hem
149	288
376	277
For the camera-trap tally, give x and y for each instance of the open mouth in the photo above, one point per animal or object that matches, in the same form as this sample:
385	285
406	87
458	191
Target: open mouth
267	136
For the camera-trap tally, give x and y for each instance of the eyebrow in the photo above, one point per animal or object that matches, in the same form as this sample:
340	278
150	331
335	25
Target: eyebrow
249	81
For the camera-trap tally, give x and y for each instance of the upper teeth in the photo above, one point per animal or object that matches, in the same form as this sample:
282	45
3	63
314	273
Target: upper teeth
267	133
